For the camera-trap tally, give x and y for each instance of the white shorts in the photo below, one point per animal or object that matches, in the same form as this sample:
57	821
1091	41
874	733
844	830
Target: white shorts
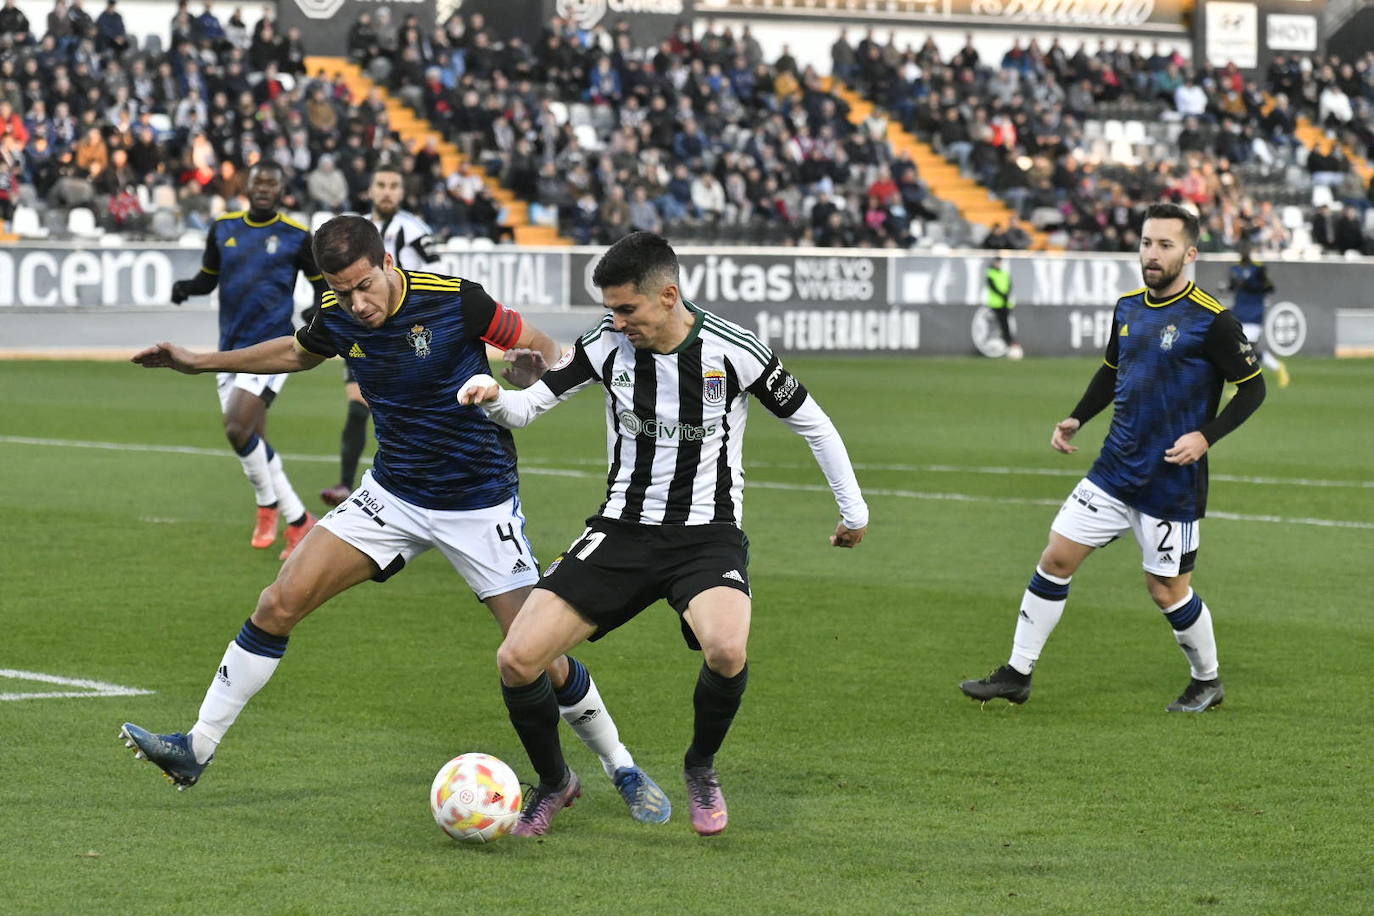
488	547
1091	517
1252	332
226	382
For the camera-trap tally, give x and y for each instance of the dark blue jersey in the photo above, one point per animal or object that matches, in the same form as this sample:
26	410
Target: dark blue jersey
431	451
1172	358
1250	282
255	265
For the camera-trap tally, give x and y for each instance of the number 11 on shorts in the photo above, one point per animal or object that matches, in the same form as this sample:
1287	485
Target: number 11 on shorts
590	539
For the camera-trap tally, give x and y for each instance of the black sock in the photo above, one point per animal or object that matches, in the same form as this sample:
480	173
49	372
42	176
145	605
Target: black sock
352	442
716	700
534	713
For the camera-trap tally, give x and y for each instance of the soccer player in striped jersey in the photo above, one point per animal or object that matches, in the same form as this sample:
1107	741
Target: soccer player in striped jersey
1172	349
411	244
444	477
253	257
677	380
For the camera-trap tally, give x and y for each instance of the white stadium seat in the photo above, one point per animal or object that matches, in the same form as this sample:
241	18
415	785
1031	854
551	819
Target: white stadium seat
1322	196
319	218
81	223
27	223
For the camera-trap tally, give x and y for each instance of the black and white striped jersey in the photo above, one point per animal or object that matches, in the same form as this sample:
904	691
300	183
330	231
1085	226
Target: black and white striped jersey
675	421
409	239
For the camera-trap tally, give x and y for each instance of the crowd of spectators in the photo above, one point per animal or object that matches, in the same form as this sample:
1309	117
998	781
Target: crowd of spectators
1024	126
699	136
157	141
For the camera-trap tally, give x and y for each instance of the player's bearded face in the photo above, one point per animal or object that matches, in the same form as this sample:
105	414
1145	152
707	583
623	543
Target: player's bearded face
386	193
1164	252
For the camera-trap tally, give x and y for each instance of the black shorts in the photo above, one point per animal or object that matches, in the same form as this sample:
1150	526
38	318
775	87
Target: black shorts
616	569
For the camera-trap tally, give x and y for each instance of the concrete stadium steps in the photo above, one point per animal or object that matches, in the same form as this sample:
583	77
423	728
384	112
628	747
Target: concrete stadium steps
1312	135
975	203
415	130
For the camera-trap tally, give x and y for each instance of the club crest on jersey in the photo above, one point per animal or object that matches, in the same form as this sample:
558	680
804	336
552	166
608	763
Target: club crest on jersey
713	386
1168	337
420	338
271	244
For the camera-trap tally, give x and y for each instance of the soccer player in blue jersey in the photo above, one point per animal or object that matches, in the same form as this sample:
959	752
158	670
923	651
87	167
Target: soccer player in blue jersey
411	245
1172	349
444	477
253	256
1249	280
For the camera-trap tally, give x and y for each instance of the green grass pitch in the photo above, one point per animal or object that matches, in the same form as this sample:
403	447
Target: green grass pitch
859	779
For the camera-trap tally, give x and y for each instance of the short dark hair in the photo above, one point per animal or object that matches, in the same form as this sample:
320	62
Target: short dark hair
389	166
268	165
641	258
1174	211
343	240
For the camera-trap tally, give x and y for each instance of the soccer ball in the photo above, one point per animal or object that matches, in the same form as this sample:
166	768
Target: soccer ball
475	798
1015	352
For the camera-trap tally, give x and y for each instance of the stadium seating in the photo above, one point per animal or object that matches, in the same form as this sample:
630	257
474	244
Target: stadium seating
776	136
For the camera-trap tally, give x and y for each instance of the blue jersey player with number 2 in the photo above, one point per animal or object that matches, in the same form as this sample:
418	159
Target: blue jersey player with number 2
444	477
1172	349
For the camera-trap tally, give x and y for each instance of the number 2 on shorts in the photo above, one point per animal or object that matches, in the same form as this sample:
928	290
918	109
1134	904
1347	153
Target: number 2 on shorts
1164	544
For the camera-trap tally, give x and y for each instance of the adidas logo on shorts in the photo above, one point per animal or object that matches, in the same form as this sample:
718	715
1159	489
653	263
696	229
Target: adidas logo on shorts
734	574
520	566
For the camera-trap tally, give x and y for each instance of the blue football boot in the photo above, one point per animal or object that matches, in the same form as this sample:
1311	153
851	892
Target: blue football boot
648	804
172	753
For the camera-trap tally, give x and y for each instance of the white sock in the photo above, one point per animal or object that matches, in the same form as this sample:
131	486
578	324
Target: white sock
241	674
1197	640
255	467
287	501
592	722
1041	607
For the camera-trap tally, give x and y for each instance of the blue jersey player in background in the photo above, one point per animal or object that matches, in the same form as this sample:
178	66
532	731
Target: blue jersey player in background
444	477
1249	280
253	257
1172	349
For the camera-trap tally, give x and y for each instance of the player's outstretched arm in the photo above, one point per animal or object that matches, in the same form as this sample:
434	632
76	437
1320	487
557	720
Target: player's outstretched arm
267	358
511	409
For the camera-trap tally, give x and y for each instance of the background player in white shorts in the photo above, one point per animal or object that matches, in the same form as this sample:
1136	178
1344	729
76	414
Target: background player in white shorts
1171	350
253	257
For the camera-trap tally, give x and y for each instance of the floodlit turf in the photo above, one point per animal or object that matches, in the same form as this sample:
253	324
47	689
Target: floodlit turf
859	778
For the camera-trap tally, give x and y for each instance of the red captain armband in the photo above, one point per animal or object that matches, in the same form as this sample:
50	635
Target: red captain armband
505	328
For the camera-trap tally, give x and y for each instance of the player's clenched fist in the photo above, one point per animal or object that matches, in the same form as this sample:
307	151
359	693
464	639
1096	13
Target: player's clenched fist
478	390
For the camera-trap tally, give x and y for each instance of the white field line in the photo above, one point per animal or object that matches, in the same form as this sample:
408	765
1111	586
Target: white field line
796	487
92	688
